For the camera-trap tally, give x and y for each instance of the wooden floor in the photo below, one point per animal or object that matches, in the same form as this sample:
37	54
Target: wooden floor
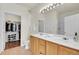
16	51
12	44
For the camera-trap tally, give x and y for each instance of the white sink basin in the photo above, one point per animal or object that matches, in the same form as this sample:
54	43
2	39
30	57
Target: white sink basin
51	36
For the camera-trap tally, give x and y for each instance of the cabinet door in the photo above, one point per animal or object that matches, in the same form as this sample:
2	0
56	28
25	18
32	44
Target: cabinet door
31	43
34	45
51	48
66	51
42	47
42	50
42	42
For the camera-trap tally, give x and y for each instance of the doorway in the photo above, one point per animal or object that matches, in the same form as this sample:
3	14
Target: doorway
12	30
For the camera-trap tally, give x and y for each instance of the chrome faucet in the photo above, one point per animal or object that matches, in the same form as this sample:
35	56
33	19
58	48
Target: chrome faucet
76	36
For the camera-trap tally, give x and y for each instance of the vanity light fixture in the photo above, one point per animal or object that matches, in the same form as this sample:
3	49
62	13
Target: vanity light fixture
50	7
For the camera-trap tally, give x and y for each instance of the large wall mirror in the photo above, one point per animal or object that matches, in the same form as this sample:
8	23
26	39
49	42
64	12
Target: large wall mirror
71	24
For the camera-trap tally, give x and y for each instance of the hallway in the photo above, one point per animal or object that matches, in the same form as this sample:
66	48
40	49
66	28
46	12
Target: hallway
12	44
16	51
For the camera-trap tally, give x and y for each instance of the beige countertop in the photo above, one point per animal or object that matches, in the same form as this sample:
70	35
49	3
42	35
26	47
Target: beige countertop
59	39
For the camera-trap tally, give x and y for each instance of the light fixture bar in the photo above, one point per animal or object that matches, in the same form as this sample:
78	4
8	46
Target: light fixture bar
50	7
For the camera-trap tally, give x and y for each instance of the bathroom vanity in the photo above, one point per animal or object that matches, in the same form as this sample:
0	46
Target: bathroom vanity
52	44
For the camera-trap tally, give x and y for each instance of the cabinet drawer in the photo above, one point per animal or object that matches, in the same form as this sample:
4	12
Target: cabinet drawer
42	49
67	51
42	42
51	48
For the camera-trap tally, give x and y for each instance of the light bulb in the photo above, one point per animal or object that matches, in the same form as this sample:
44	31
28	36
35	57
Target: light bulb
54	6
51	4
50	7
58	4
47	8
42	11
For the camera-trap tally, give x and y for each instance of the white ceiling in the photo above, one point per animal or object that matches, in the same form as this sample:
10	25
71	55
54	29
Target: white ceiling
31	5
28	5
66	7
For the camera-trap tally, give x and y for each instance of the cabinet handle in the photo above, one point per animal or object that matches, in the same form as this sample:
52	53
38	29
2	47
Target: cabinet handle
41	53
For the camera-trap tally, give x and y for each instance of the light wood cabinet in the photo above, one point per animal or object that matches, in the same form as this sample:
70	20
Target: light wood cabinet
42	50
40	46
42	42
51	48
67	51
34	45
